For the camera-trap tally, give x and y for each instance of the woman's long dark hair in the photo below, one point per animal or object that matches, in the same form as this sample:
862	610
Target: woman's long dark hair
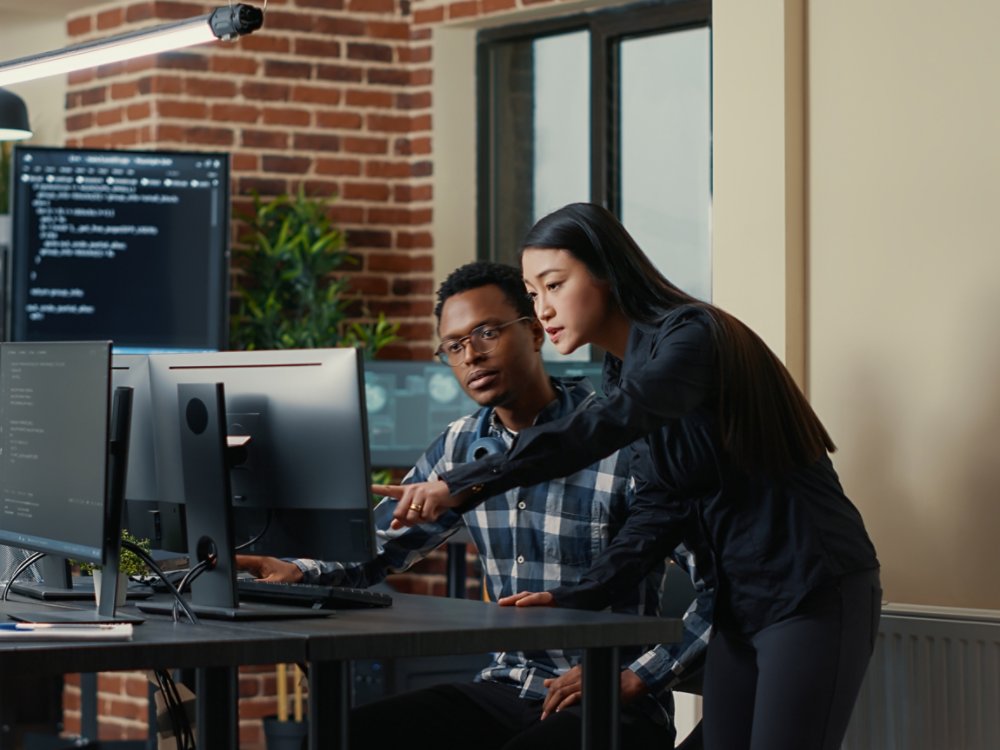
766	424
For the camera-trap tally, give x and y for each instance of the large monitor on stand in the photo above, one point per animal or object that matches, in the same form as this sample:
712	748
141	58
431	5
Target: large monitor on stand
63	447
131	246
269	452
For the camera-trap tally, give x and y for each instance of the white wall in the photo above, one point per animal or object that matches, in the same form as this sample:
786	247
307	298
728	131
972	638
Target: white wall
904	281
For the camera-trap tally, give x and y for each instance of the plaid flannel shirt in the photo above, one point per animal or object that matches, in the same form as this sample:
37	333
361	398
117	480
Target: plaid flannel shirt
534	539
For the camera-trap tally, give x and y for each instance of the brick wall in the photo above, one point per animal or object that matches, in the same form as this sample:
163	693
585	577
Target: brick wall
332	94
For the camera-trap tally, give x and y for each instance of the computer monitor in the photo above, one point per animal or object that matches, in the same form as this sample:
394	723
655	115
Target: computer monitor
131	246
298	469
61	457
145	515
411	403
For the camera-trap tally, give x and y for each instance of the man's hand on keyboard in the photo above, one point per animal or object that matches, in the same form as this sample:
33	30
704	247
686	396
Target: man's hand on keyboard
269	568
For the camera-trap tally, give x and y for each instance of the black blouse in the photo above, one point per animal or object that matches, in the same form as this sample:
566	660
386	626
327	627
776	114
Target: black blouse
763	543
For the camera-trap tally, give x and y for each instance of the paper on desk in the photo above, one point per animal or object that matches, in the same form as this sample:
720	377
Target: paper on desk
26	631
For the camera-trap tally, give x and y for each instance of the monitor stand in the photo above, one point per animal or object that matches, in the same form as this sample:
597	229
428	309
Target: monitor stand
208	496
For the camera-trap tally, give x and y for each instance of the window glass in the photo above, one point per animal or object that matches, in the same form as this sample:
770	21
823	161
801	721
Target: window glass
666	153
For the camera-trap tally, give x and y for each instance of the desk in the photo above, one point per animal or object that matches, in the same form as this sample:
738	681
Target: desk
413	626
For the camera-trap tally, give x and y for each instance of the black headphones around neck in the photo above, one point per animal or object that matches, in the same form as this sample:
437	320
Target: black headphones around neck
484	444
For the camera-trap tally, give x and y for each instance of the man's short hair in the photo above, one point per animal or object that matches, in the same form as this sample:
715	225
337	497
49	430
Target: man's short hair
484	273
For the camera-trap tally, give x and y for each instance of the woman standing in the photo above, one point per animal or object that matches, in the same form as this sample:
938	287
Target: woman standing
733	462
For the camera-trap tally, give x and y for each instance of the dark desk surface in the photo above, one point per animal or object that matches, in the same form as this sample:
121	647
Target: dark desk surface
413	626
158	643
434	626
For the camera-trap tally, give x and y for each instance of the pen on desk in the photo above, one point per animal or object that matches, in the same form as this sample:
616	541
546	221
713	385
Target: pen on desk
59	625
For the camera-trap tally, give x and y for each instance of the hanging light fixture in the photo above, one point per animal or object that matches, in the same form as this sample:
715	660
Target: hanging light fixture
13	117
227	23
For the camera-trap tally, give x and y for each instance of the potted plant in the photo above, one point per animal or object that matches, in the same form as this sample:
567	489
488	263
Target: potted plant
288	292
129	564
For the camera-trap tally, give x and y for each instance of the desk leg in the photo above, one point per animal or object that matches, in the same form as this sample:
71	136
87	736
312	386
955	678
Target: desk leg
601	690
216	709
329	705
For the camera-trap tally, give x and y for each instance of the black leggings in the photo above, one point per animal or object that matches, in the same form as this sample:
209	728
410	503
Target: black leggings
486	716
792	685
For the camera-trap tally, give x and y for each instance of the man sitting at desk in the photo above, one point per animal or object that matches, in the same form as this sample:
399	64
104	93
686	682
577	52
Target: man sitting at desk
529	539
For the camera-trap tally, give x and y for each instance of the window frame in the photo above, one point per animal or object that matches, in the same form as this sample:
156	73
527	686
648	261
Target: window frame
607	27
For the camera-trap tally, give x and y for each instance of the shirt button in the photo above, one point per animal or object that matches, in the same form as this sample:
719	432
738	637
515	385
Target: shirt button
520	559
522	505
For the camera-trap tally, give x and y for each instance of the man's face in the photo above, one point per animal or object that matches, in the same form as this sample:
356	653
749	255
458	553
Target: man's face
497	377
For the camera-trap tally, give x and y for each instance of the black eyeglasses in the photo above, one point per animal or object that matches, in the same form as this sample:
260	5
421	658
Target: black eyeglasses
483	340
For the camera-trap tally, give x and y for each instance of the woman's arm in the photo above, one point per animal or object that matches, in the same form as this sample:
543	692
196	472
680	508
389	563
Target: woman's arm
676	373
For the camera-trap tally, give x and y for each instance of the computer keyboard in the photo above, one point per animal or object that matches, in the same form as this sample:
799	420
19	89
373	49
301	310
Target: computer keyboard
310	595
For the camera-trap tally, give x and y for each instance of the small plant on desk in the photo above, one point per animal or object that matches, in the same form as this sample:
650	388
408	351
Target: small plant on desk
129	563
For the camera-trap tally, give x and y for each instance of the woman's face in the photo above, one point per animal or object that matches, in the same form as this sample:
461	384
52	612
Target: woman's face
571	304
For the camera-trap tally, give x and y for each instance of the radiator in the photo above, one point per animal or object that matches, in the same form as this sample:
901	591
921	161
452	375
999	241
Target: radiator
933	682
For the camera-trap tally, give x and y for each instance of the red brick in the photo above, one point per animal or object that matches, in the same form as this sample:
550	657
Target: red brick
275	116
285	21
367	98
369	52
428	15
235	113
321	187
419	100
109	117
265	43
339	167
210	88
408	240
316	95
265	139
387	169
262	186
412	193
406	287
316	142
242	162
339	120
229	64
361	145
124	90
369	286
371	6
389	123
81	121
78	26
178	11
398	215
338	73
285	69
366	191
110	19
347	214
396	262
317	47
187	109
285	164
414	54
139	12
340	27
389	76
496	6
271	92
388	30
140	111
324	4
